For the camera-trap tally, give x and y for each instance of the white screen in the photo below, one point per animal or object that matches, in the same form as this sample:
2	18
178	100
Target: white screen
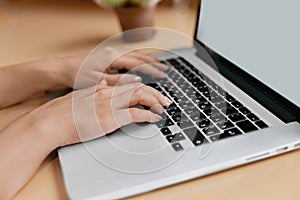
262	37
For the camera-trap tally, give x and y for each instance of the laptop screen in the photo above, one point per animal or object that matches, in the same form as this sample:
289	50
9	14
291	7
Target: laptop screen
262	37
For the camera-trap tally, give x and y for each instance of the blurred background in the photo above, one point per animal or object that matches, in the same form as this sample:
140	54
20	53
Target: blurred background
33	29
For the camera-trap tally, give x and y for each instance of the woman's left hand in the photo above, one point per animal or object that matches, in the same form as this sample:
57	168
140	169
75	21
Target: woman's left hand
97	66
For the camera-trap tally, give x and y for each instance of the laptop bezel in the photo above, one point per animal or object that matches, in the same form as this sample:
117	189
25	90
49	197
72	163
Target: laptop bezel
266	96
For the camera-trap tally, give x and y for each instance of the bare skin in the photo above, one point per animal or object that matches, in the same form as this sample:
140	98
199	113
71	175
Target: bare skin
26	142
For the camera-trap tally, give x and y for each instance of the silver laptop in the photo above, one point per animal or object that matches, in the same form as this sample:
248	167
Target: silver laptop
250	113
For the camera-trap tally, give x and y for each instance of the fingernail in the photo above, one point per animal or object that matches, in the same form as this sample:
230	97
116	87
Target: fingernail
156	117
167	101
103	82
133	79
166	67
162	74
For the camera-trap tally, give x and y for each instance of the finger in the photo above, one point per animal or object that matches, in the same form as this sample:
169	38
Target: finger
104	92
135	64
154	62
149	69
103	82
127	116
143	95
121	79
117	90
130	99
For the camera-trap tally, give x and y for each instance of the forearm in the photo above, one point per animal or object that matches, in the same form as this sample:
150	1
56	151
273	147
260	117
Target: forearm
23	147
21	81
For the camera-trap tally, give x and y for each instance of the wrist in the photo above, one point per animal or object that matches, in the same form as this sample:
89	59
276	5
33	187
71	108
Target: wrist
52	70
30	132
64	70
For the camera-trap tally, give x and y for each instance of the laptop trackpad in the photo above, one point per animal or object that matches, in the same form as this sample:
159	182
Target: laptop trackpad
138	138
138	149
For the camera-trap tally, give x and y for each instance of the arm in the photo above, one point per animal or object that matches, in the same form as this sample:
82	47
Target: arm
25	143
22	81
22	150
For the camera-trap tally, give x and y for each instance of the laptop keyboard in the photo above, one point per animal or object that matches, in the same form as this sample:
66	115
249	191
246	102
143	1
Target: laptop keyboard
203	110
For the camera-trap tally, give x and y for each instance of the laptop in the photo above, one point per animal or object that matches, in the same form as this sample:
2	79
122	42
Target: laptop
246	110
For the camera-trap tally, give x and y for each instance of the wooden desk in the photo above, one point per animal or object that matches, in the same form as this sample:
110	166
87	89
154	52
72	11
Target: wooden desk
35	29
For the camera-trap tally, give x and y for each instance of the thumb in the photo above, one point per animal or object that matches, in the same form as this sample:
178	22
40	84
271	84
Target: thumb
121	79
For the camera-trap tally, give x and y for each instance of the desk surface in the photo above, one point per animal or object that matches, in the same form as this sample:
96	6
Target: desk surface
33	29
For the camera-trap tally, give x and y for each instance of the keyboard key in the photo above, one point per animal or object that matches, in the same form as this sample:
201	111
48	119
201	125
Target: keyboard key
226	134
174	111
246	126
211	111
181	99
229	98
236	117
177	146
195	81
208	80
222	104
204	123
215	86
180	117
165	131
155	86
178	95
199	99
164	123
196	137
237	104
261	124
175	138
223	93
172	105
192	111
211	95
216	99
218	118
225	125
229	110
186	104
174	98
145	78
205	105
185	124
198	117
244	110
183	85
193	93
187	90
202	87
207	93
253	117
164	115
211	130
178	80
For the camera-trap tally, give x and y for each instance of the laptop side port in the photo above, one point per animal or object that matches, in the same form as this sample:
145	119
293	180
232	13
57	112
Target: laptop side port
283	149
258	157
297	145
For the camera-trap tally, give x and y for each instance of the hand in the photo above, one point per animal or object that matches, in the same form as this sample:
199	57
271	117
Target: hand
113	106
26	142
99	64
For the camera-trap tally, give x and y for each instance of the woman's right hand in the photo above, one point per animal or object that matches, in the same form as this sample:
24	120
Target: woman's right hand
77	116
